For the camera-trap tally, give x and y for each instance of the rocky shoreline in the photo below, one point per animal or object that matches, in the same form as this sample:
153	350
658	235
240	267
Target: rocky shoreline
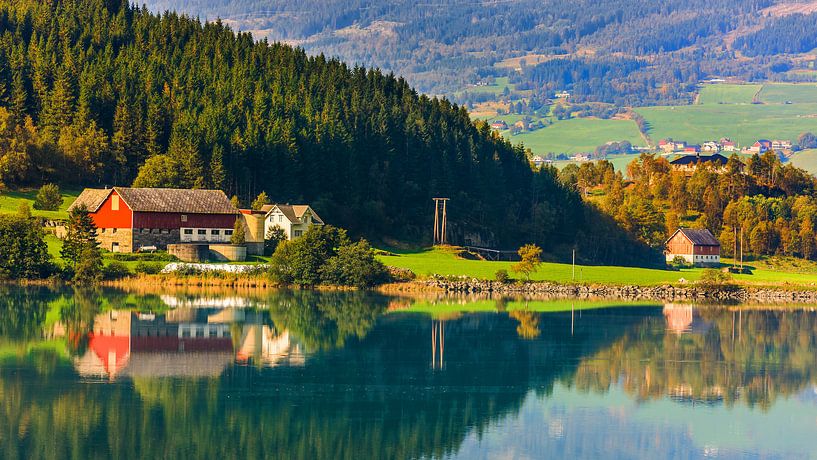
701	293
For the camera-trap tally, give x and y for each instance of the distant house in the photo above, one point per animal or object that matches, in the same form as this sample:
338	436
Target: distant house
499	125
689	163
128	219
561	95
521	124
581	157
710	147
538	161
781	145
727	145
697	247
669	146
761	146
294	219
692	149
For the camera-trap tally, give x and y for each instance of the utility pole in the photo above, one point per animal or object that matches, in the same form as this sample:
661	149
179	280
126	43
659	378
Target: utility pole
440	221
574	264
741	249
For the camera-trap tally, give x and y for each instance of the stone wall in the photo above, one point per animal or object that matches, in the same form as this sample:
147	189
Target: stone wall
108	236
189	252
228	253
155	237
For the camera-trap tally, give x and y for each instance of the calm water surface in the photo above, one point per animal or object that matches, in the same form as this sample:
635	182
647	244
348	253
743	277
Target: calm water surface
102	374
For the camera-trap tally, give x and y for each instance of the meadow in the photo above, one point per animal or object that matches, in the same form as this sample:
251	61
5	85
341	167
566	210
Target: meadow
797	93
10	203
728	94
806	159
445	261
576	135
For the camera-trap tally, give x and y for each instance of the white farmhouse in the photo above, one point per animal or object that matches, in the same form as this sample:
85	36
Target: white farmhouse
294	219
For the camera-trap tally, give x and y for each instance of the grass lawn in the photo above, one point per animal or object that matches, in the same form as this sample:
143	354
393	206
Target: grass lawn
743	123
577	135
497	88
444	261
798	93
806	159
10	201
727	94
448	307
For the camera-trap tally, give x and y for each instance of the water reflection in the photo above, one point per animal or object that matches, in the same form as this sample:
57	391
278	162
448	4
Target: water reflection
355	375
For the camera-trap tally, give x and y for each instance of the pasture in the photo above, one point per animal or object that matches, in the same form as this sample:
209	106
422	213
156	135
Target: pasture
575	135
10	201
727	94
797	93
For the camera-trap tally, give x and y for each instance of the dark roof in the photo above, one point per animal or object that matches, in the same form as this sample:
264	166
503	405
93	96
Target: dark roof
294	212
699	237
171	200
693	159
91	198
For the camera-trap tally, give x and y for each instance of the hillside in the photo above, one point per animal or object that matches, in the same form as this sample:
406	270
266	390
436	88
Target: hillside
120	94
618	51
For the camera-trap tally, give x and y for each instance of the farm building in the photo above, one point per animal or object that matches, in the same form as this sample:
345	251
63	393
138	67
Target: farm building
698	247
294	219
761	146
128	219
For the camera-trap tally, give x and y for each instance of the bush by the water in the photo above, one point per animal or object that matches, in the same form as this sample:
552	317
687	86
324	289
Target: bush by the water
502	276
48	198
713	277
115	270
324	254
147	268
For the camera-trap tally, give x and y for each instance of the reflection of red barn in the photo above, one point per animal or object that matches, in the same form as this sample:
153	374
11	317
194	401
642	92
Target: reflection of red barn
113	352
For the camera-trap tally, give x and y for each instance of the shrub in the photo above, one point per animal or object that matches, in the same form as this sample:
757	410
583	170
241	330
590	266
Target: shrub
23	249
354	265
502	276
48	198
115	270
713	277
299	261
238	236
273	238
680	262
148	268
144	257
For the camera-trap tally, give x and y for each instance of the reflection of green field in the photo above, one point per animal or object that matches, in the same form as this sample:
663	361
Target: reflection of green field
578	135
743	123
727	94
800	93
443	261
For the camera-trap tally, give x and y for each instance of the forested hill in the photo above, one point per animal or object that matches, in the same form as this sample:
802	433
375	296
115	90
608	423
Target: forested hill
664	46
96	92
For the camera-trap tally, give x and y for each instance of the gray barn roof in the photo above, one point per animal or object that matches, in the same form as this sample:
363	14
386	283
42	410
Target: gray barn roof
171	200
699	237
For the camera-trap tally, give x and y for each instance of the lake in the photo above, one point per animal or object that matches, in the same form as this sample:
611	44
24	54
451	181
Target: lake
307	375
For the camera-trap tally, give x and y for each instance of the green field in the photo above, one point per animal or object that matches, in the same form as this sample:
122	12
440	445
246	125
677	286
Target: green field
498	87
743	123
727	94
619	162
799	93
442	308
806	159
443	261
575	135
10	202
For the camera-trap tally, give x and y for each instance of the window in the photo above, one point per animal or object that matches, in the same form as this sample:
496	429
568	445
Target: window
165	231
145	230
188	231
199	332
280	218
213	333
202	231
215	232
298	233
184	217
186	332
115	203
228	232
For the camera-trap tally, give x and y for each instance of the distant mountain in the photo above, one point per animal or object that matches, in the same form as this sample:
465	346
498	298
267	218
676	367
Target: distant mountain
627	52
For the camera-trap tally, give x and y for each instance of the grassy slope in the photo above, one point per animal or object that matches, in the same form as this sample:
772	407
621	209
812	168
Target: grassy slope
800	93
743	123
576	135
727	94
806	159
443	261
10	202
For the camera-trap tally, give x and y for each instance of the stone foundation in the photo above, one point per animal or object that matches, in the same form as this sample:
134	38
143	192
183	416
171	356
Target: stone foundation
155	237
122	236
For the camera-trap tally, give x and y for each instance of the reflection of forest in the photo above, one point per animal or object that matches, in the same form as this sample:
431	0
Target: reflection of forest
326	375
366	388
710	355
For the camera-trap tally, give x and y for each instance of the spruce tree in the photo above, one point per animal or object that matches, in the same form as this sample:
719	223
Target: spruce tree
80	241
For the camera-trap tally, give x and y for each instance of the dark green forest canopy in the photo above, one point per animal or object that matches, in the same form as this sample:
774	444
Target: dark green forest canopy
92	89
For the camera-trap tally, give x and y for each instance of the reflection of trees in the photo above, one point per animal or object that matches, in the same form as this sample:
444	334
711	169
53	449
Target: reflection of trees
325	320
750	356
23	311
528	323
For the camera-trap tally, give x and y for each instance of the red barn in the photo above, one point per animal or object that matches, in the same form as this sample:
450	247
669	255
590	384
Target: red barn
698	247
128	219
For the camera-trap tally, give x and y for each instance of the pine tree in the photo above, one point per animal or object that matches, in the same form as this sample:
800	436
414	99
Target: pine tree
218	175
80	241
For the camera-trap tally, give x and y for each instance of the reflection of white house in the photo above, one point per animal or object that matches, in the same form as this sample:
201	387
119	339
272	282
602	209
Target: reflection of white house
294	219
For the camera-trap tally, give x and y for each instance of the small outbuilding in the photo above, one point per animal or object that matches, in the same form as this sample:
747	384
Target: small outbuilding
698	247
